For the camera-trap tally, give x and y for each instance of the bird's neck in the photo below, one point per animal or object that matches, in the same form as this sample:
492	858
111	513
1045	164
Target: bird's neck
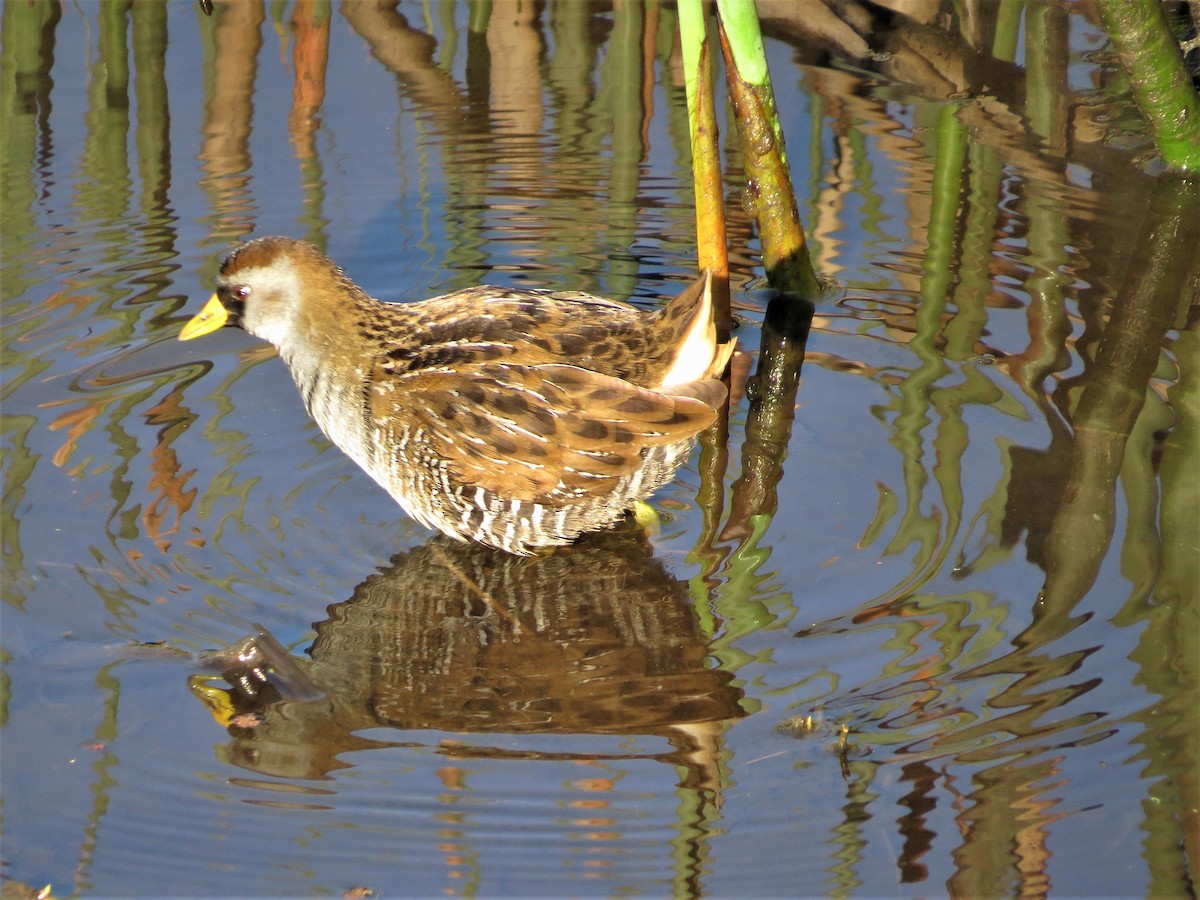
332	363
328	335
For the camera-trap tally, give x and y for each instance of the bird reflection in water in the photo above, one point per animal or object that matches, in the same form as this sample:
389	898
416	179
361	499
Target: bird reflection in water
596	638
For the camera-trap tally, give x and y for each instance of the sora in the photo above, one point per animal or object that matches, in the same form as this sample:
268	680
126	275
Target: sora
517	418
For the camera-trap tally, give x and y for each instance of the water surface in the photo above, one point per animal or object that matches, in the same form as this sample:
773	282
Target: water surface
928	627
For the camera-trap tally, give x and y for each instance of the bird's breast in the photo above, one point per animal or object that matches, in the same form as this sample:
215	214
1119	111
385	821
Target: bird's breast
337	403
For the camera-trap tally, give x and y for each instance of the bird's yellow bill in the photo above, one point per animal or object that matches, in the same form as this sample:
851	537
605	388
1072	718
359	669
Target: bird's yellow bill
218	700
209	319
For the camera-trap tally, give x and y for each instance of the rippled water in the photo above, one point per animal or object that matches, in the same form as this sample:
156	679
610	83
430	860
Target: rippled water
934	630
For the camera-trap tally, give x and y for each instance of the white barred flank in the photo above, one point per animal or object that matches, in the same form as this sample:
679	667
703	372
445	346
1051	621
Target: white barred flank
398	459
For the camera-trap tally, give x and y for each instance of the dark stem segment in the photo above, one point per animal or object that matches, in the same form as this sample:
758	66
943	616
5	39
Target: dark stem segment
769	420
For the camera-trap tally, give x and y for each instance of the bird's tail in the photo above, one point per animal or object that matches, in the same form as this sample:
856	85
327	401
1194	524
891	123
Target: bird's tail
688	324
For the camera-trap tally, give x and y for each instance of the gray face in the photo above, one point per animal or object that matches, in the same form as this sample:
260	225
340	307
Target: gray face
263	299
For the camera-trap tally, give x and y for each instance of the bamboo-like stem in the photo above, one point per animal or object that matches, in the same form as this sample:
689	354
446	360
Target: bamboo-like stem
768	183
712	245
1164	92
479	16
712	249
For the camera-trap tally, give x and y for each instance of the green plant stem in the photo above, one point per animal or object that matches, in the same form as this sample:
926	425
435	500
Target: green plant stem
768	183
712	249
1143	41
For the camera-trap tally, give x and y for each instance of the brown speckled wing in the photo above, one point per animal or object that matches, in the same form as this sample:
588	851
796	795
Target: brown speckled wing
540	433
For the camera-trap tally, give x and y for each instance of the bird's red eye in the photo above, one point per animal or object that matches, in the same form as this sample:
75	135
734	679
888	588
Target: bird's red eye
241	292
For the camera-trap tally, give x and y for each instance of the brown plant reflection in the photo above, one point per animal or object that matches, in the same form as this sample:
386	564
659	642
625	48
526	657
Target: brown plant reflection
1114	391
509	182
1063	499
772	392
310	58
230	67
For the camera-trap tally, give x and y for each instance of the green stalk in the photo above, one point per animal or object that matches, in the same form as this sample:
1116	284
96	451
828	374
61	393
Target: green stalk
480	15
739	19
1143	41
768	183
712	249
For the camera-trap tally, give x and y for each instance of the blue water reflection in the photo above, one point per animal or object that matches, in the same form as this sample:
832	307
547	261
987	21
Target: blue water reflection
933	633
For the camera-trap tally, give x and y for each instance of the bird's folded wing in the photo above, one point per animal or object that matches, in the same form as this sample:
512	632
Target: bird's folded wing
539	433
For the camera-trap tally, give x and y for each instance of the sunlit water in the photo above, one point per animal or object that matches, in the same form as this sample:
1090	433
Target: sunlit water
950	647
